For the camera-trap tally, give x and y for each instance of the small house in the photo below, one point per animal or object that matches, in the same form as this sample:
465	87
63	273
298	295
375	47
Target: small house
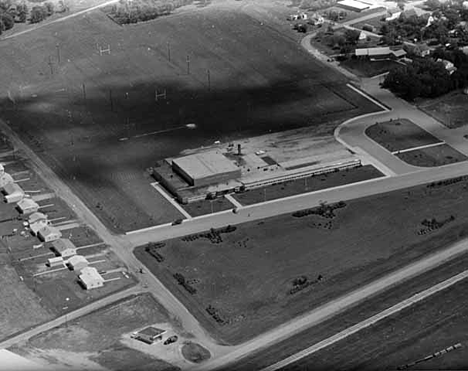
27	206
34	217
37	226
64	247
12	192
55	262
77	262
150	334
90	278
49	233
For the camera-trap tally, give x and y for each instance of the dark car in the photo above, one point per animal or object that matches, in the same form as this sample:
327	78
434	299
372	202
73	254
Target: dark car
171	339
177	221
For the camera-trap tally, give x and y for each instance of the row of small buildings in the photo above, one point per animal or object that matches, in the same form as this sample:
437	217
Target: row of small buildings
39	226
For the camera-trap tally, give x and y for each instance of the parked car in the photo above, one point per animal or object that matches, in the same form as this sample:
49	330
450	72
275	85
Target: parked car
170	340
177	221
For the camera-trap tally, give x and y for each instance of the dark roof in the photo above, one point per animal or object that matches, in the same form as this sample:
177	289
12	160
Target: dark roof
151	331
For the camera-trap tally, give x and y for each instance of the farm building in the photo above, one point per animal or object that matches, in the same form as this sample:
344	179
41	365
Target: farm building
34	217
205	168
27	206
5	179
90	278
49	234
13	193
37	226
55	262
77	262
355	6
150	334
64	247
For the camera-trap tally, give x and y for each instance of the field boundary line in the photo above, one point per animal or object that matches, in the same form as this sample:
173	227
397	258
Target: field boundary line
419	147
369	321
369	97
156	186
234	201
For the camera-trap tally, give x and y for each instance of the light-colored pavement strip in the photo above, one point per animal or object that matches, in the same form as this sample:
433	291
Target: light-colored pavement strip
417	148
233	201
369	321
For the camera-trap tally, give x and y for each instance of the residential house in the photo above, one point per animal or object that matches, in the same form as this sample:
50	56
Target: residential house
55	262
77	262
449	66
49	233
90	278
27	206
34	217
12	193
5	179
37	226
64	247
150	334
379	53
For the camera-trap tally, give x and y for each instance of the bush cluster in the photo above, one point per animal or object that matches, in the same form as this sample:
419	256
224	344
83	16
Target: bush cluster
433	224
302	282
213	312
324	210
154	253
214	235
181	280
447	182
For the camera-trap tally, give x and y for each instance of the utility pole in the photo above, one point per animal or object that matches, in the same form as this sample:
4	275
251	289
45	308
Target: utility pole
209	79
188	64
111	101
58	52
84	92
168	51
50	64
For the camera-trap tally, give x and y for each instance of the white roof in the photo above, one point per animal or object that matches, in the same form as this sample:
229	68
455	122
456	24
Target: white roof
205	164
11	188
5	178
62	244
48	229
354	4
76	259
37	225
34	217
373	51
27	203
90	276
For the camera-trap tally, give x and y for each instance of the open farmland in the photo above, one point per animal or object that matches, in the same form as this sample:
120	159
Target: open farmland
76	113
251	279
102	339
450	109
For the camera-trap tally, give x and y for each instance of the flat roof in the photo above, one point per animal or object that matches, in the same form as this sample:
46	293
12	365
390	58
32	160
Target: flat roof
152	331
205	164
354	4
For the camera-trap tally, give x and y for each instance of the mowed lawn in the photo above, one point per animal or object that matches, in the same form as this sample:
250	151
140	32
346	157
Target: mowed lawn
94	118
248	276
397	135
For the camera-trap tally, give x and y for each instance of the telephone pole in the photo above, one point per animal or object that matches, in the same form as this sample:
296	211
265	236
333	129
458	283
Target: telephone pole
188	64
58	52
51	68
168	51
209	79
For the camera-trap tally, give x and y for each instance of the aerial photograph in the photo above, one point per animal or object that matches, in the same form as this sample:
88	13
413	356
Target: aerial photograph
233	185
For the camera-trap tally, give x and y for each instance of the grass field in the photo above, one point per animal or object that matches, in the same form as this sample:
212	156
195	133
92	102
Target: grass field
399	135
450	110
375	22
80	108
433	156
208	206
310	184
246	278
102	338
348	318
366	68
415	333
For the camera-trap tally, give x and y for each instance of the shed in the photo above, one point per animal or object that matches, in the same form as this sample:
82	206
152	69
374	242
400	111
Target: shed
90	278
150	334
77	262
13	193
63	247
27	206
55	262
37	226
34	217
49	233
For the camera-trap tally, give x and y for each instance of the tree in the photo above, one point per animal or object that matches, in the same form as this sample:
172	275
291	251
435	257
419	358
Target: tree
7	20
351	36
2	26
22	10
49	8
38	14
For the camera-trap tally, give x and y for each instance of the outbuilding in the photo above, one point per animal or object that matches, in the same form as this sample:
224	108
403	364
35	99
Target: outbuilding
150	334
5	179
13	193
27	206
49	233
90	278
64	247
55	262
77	262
